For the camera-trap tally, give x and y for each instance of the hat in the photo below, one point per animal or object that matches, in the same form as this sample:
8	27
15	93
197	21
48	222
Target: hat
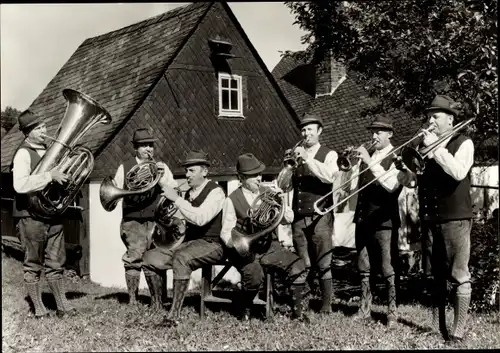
310	119
28	119
444	104
248	164
196	158
142	136
381	122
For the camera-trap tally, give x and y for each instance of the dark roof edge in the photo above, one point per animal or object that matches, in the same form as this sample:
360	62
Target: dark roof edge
153	85
260	61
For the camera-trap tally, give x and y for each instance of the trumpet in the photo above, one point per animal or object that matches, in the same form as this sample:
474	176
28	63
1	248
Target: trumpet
349	156
392	154
291	161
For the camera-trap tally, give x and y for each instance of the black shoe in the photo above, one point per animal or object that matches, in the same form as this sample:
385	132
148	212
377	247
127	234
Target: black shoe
168	322
44	316
61	313
246	315
301	318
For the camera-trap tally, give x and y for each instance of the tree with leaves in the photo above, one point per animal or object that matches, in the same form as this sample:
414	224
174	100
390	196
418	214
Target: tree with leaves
408	51
9	119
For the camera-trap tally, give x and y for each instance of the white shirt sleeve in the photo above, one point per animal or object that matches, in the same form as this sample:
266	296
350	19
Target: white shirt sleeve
390	180
206	211
120	183
326	171
23	181
458	165
228	222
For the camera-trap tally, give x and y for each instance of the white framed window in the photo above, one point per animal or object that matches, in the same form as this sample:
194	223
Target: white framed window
230	95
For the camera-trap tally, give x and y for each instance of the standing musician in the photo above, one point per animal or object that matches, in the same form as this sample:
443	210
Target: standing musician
313	178
377	217
201	208
43	240
137	224
269	253
446	214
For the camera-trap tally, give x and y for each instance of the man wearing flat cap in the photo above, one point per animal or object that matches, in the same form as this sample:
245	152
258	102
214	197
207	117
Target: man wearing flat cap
377	217
446	214
268	254
42	239
138	220
312	179
201	208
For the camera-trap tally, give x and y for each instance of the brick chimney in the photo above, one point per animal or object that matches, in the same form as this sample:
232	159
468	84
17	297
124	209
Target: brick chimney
329	75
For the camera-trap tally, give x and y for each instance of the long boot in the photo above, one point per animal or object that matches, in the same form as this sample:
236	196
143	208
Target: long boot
365	309
132	287
439	295
247	303
35	295
180	289
461	304
298	304
164	293
63	306
154	282
391	299
326	296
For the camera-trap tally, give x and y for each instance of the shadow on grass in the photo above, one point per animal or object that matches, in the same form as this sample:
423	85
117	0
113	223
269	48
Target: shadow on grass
416	327
49	301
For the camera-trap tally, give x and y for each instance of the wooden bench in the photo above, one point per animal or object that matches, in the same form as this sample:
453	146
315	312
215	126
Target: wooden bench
208	284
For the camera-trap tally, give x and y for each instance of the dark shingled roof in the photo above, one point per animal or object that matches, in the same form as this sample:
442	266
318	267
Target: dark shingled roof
117	69
342	112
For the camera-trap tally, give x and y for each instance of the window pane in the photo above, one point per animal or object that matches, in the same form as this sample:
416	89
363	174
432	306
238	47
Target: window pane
225	99
225	82
234	83
234	100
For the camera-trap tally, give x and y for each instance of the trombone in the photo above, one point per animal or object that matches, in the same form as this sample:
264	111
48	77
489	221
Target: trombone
340	187
411	153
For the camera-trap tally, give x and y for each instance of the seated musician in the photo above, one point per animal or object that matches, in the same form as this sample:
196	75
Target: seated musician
201	209
269	253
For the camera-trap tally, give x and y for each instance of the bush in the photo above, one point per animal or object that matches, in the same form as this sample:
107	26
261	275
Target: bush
484	265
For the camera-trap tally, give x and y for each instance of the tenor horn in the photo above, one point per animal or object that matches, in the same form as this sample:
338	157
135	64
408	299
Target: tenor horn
82	113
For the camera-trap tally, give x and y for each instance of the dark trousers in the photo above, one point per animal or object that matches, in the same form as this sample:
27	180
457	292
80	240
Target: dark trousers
446	252
137	236
275	259
312	239
184	259
376	246
44	248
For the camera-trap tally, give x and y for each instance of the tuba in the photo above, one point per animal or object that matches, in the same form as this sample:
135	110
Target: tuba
290	162
82	113
265	215
139	180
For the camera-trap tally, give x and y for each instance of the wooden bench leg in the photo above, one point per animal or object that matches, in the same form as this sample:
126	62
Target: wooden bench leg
269	296
206	288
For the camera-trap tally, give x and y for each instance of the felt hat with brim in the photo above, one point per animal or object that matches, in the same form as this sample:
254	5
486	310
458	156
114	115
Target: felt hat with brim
248	164
443	104
196	158
310	119
381	122
28	120
142	136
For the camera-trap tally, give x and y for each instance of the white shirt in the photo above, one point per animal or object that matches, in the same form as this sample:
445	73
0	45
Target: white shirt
120	178
390	180
204	213
24	182
229	218
326	171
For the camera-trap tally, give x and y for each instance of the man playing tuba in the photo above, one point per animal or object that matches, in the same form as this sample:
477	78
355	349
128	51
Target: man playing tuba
138	221
269	253
43	240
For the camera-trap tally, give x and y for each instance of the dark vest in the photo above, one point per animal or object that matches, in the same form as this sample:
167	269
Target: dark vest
241	208
441	197
140	206
211	230
20	204
376	205
307	188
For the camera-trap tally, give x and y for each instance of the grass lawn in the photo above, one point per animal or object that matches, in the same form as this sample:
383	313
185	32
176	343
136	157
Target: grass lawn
105	323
